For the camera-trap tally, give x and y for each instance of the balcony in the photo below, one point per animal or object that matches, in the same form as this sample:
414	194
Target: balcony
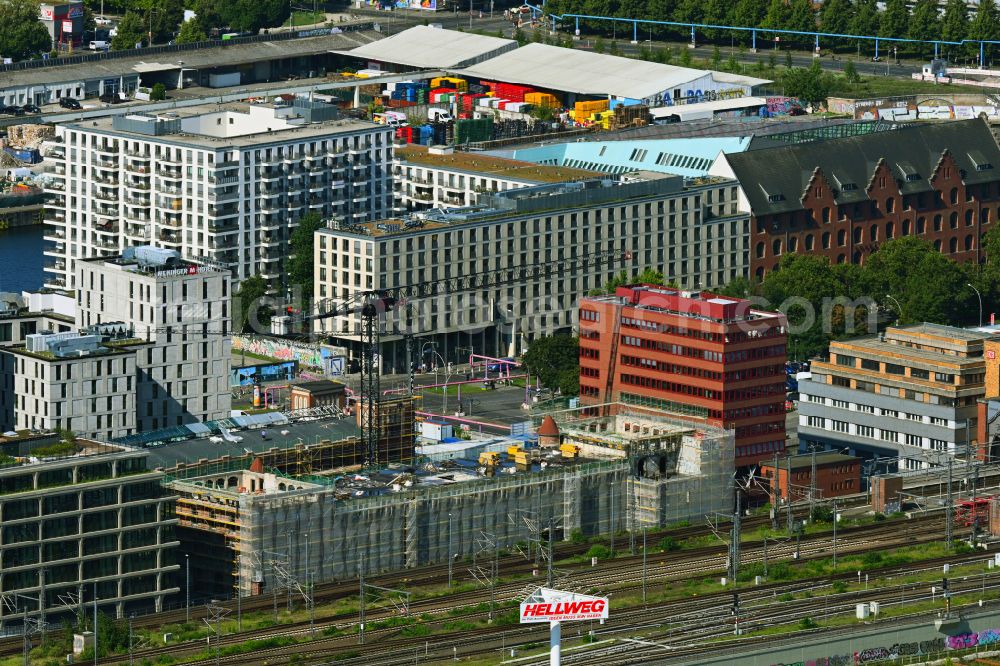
54	235
106	180
58	249
317	185
224	211
106	164
176	223
165	161
272	205
57	265
106	244
56	153
137	232
169	189
270	174
224	166
167	237
111	229
104	195
106	150
59	170
55	283
55	185
225	195
137	156
171	174
138	186
169	204
137	201
137	167
106	212
55	216
223	227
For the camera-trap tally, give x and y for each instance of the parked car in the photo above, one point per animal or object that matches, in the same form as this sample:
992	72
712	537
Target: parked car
7	110
112	98
31	108
17	110
70	103
102	20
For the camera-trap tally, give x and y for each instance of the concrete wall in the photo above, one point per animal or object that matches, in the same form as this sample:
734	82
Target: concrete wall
865	643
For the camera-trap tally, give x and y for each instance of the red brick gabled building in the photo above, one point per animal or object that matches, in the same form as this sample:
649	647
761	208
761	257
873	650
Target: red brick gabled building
695	353
842	198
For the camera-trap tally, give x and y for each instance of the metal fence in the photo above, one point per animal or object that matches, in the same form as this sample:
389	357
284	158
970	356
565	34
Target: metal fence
176	48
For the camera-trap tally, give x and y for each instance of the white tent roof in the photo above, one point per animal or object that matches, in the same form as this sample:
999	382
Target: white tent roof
584	72
433	48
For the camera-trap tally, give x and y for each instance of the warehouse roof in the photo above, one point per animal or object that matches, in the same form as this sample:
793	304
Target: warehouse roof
774	179
427	47
557	68
488	165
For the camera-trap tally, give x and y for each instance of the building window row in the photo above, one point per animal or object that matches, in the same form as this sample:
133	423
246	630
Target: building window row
671	387
763	448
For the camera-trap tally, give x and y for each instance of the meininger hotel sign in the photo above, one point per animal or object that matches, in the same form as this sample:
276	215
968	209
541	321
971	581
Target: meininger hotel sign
548	605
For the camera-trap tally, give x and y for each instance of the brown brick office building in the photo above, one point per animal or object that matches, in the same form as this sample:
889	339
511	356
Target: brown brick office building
842	198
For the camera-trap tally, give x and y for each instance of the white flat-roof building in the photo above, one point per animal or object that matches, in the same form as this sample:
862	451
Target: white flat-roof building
221	183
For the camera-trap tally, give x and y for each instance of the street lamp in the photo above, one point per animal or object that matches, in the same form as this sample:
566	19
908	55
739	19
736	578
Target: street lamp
898	306
980	297
187	576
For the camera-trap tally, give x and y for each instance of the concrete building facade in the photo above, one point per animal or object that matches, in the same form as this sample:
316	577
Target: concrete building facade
692	231
689	352
74	382
181	313
227	184
83	514
910	393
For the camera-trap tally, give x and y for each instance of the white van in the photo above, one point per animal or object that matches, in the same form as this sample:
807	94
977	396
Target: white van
99	46
439	115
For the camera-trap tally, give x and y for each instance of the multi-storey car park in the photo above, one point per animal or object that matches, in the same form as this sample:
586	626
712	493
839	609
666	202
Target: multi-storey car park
690	229
221	183
79	517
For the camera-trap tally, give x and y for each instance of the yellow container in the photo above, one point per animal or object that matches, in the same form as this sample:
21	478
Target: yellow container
570	450
542	99
585	109
513	450
489	458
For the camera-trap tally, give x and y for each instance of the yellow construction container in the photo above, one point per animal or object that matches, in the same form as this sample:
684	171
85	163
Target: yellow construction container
489	458
569	450
442	81
587	109
513	450
542	99
602	119
522	459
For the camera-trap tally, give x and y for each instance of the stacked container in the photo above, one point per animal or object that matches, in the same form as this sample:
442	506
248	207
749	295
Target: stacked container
470	131
542	99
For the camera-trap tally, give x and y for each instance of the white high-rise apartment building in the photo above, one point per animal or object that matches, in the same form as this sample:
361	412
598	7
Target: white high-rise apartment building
226	183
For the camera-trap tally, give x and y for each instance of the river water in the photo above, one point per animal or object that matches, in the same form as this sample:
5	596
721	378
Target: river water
21	259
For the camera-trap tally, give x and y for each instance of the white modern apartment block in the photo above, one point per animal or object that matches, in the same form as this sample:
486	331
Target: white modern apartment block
439	177
691	231
225	183
181	309
74	382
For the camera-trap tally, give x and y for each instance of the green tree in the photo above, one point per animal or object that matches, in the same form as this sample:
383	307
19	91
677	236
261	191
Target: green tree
740	287
21	33
955	23
801	17
865	20
835	16
131	31
158	93
250	309
984	26
749	13
716	61
520	37
301	262
851	72
810	84
689	11
778	15
925	23
894	19
686	58
191	32
550	357
207	15
599	45
928	285
647	276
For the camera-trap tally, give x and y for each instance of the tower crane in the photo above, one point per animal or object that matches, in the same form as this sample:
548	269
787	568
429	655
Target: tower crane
371	305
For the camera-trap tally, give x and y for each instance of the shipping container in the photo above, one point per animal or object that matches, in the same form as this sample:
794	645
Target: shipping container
223	80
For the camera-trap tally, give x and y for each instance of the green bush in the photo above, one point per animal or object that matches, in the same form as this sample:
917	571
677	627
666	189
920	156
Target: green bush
807	623
839	587
577	536
159	92
600	552
669	544
415	631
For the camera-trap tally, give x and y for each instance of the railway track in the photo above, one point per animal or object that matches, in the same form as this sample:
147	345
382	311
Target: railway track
620	575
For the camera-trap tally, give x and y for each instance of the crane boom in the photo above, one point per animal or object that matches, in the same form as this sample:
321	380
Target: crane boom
372	304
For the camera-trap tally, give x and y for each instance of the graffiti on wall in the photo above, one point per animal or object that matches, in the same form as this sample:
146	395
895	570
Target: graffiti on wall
777	106
972	639
312	356
874	654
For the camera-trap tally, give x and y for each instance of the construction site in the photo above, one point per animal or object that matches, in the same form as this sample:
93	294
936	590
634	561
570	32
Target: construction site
269	520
